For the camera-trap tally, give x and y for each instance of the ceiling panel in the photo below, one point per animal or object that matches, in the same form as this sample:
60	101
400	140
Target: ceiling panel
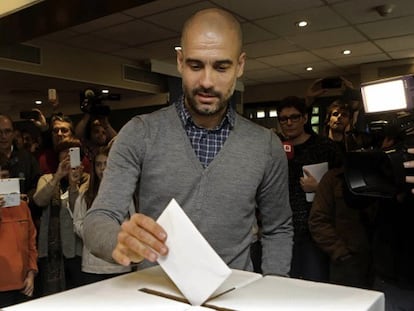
252	10
327	38
320	18
135	33
253	33
357	11
362	59
397	43
363	48
269	47
388	28
290	59
174	19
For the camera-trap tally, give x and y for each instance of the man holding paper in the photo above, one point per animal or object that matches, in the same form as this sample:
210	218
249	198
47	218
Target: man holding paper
217	165
313	155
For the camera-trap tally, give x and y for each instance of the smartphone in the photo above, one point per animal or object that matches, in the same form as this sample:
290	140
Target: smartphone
331	83
51	95
74	155
29	114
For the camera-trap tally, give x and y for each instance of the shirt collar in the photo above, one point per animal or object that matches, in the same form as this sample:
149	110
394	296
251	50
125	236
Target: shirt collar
185	115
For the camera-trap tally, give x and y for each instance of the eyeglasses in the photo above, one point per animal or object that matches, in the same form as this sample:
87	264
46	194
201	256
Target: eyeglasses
6	132
342	114
293	117
64	130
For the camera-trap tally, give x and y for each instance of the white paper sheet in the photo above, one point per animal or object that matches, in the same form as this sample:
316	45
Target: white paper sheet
10	191
317	171
191	263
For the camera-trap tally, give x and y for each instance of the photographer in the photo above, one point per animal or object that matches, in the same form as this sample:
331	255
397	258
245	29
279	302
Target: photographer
393	252
94	131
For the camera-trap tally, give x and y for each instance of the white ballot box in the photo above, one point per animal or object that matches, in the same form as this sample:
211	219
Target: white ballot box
151	289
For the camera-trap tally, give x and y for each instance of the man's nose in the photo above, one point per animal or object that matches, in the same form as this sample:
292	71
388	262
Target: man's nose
207	77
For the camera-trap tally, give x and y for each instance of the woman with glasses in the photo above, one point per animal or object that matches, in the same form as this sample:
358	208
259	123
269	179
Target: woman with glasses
308	261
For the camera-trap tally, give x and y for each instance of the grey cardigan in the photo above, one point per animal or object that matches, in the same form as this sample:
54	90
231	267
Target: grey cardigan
154	152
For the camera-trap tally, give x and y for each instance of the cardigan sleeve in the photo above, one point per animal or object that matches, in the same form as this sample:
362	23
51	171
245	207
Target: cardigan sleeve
44	190
79	213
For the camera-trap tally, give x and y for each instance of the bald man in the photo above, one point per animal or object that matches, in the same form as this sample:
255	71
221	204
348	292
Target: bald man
218	165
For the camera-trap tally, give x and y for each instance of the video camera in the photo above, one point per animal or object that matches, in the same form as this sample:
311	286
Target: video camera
91	101
378	171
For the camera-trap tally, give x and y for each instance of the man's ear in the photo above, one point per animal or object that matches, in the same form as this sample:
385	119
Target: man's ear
240	64
305	117
180	61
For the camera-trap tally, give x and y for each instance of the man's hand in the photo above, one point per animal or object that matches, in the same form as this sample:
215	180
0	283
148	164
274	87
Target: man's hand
410	164
29	284
308	182
40	122
140	238
63	168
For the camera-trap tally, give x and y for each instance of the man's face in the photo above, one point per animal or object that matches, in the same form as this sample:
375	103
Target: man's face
339	120
60	131
6	134
209	66
292	122
98	135
100	165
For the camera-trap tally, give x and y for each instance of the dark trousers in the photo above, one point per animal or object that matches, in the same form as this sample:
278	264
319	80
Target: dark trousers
309	262
12	297
396	298
73	272
71	277
256	256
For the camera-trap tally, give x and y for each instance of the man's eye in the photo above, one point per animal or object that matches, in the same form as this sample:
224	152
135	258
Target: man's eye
195	67
222	68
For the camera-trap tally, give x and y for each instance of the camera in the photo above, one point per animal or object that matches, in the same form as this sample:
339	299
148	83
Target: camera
331	83
29	115
91	101
378	171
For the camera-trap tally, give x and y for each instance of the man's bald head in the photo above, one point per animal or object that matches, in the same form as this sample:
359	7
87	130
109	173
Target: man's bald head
212	21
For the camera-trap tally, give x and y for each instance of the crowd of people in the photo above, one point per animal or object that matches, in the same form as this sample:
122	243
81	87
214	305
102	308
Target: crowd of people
39	246
78	225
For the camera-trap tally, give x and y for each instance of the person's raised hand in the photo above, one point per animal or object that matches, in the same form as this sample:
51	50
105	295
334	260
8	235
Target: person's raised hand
140	238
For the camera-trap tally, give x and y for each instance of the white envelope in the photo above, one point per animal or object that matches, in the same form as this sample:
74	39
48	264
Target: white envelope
191	263
317	170
10	190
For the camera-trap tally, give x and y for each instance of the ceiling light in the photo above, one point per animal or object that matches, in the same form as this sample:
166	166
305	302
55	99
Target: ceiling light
178	48
261	114
38	102
105	91
301	24
346	52
309	68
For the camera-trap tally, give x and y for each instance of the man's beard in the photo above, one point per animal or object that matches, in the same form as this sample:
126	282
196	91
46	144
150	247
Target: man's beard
220	106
